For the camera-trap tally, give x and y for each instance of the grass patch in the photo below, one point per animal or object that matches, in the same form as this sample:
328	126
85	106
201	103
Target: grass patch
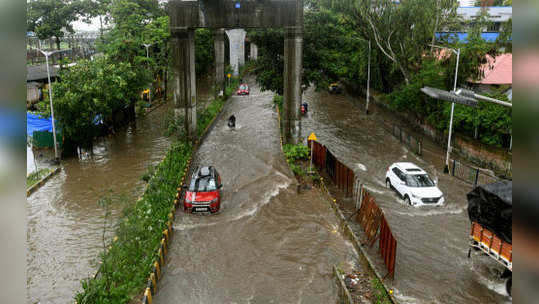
36	176
379	294
296	155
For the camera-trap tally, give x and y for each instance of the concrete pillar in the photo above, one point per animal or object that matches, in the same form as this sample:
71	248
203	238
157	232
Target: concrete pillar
184	77
254	51
192	105
293	67
219	46
236	38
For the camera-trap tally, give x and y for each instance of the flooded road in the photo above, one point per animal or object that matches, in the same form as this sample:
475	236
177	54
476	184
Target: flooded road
431	264
267	244
64	220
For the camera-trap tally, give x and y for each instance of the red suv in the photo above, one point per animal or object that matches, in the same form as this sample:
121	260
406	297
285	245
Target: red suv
243	89
204	191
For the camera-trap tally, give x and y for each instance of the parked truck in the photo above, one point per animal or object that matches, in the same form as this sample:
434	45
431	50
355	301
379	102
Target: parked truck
490	208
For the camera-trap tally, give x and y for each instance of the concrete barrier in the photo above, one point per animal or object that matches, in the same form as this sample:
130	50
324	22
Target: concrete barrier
344	294
41	182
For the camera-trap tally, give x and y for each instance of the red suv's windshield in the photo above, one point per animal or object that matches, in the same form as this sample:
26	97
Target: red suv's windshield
206	183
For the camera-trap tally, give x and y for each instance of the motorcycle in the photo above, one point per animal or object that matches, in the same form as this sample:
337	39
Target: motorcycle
232	121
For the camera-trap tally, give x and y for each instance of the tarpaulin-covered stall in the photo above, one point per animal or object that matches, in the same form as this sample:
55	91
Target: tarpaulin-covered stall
39	129
492	207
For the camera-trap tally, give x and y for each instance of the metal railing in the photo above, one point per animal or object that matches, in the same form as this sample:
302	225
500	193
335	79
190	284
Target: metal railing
472	175
369	216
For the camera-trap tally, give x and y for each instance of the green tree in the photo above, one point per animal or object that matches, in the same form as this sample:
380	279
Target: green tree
402	31
269	67
204	51
49	18
332	51
91	88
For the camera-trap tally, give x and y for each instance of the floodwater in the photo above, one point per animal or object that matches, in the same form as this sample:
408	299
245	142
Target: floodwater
431	264
267	244
64	221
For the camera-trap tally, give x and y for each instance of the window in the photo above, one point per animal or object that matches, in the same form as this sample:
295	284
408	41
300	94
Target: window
398	173
206	183
494	27
419	180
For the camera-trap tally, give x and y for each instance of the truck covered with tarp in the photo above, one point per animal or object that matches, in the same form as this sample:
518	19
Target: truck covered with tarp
490	209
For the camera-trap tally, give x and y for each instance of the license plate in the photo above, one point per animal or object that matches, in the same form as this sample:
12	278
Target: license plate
201	208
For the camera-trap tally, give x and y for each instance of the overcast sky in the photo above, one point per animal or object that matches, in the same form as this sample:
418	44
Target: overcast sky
82	26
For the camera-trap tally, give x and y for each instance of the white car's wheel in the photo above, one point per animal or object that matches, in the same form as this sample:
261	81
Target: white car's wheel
407	200
388	183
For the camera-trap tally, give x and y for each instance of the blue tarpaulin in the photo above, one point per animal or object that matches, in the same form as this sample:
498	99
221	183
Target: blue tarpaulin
36	122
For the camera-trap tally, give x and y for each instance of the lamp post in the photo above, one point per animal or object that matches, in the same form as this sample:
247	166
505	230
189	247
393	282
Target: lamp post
47	54
147	45
457	52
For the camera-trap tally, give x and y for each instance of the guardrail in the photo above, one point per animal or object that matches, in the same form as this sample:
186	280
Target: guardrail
369	216
405	137
472	175
340	174
388	247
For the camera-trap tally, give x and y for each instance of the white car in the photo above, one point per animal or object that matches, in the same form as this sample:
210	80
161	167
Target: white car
414	185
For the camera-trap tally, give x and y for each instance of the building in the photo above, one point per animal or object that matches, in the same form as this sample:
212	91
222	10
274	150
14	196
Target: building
36	82
498	15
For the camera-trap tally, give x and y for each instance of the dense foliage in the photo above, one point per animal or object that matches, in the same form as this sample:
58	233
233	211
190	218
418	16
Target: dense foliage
90	89
52	18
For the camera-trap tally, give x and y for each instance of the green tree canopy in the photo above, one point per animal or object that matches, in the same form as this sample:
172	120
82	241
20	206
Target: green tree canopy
91	88
50	18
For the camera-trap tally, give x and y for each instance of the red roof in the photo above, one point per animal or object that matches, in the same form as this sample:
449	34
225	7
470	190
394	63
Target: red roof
498	70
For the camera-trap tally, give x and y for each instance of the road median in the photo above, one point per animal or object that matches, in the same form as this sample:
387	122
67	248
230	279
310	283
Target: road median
137	253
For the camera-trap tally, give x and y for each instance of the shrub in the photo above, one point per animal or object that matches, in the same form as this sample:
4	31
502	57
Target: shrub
296	152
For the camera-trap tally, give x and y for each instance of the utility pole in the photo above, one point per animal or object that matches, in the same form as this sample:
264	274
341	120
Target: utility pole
368	80
457	52
47	54
150	88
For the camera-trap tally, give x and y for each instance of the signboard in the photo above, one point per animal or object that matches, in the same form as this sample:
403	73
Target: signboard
449	96
228	75
312	137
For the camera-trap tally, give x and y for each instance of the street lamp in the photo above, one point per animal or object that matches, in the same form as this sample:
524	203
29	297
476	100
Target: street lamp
464	97
147	45
47	54
457	51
